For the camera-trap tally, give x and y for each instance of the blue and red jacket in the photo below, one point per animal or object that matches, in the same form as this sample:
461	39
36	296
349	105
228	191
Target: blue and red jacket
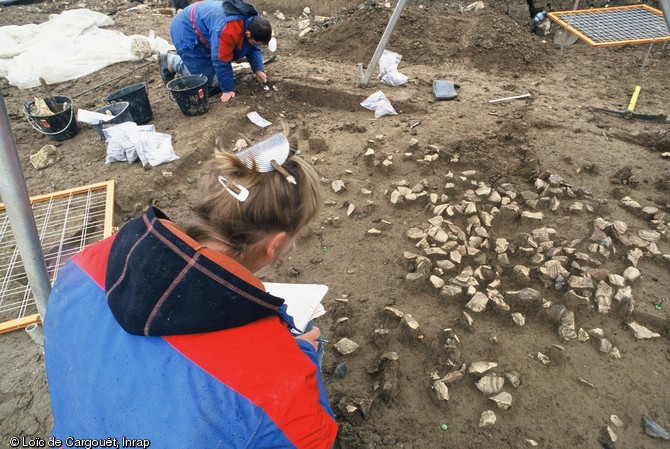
209	36
150	336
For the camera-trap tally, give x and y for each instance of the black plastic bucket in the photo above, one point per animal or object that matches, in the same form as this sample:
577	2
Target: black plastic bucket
138	97
58	126
121	113
190	93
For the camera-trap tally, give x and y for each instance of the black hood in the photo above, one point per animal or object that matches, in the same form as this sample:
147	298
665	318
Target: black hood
238	8
157	284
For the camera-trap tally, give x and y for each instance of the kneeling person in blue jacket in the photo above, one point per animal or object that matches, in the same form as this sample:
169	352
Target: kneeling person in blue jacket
209	36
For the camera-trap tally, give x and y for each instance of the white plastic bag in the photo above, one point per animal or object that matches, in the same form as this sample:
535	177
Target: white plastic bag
129	142
119	142
388	69
379	103
136	136
155	149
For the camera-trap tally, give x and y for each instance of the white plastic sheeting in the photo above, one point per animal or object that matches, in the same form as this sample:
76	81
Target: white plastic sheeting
68	46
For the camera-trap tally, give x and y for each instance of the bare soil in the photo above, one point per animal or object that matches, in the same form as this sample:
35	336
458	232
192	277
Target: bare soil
488	54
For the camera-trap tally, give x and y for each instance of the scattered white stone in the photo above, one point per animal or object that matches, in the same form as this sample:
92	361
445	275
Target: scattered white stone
532	215
611	434
394	311
616	421
630	203
642	332
481	367
530	442
514	378
576	207
338	185
501	245
597	332
634	256
416	233
616	280
541	357
580	282
631	274
478	302
503	400
523	273
346	346
490	384
451	290
649	235
488	418
453	376
374	231
603	297
441	390
468	318
615	354
483	191
305	32
46	157
410	321
605	346
437	281
582	335
518	319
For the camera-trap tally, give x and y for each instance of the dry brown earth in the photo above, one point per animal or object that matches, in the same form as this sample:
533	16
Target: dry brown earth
489	55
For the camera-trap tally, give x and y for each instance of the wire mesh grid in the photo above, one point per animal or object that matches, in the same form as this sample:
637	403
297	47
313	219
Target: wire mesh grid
634	24
66	223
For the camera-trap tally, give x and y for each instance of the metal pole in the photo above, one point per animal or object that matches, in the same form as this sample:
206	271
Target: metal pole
665	6
382	43
17	202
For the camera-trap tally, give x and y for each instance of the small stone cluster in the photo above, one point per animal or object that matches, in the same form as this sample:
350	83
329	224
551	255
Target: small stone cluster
459	254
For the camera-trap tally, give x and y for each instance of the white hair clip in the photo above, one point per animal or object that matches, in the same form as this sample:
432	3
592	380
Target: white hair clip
268	155
242	193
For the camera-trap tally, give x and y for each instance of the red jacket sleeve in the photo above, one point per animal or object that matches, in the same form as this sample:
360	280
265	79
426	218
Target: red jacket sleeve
231	36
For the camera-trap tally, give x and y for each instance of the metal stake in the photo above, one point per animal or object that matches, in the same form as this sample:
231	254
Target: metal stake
21	218
382	43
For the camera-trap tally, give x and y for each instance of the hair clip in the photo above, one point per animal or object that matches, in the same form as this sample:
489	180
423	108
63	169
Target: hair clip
242	193
268	155
289	177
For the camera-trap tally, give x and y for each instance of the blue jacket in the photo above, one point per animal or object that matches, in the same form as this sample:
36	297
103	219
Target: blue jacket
209	36
150	336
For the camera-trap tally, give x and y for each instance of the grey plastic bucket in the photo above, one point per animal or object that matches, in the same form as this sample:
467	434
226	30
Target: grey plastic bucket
121	113
58	126
138	97
190	93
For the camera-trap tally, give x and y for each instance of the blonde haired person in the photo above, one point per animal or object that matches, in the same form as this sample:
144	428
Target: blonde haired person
165	335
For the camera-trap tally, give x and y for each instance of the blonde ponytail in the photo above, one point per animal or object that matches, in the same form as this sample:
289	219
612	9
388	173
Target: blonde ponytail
274	204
